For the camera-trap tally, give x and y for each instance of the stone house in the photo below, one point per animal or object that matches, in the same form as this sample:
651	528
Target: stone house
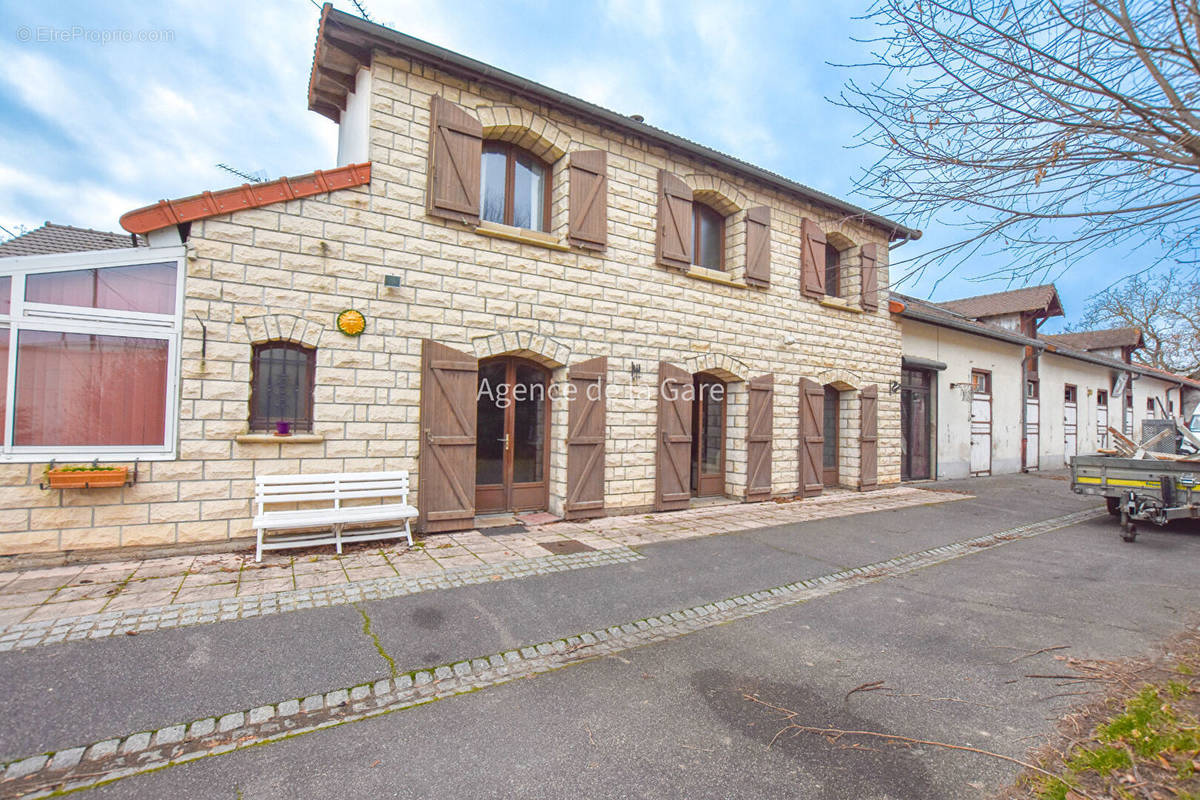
529	302
984	393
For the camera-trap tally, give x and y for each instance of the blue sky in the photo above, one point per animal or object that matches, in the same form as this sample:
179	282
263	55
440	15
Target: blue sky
93	129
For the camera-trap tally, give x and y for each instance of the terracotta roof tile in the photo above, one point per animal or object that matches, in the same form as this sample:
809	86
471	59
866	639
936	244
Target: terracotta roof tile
51	238
1032	298
165	213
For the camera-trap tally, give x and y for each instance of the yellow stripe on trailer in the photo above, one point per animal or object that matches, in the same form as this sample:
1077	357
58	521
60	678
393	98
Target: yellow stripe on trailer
1130	483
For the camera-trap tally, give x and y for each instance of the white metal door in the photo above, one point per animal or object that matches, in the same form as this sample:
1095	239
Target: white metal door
1070	429
1032	433
981	434
1102	426
1129	422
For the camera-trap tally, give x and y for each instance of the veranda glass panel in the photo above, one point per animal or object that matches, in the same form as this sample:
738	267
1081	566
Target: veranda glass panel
79	389
4	334
5	295
146	288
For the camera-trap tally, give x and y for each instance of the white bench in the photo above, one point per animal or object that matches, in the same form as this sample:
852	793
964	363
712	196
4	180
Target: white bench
317	501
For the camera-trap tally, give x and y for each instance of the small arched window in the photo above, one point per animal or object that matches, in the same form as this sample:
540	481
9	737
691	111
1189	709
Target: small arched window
514	187
708	230
281	386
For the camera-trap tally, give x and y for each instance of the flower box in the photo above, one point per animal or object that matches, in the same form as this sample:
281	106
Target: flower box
86	477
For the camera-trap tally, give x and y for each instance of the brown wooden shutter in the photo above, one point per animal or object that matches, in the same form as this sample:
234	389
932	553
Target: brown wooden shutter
446	492
759	430
812	259
585	439
588	217
673	466
758	246
870	278
812	437
674	221
868	447
455	154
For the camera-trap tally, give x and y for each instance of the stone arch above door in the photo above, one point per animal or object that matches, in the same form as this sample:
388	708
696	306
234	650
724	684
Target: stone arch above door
544	350
841	379
725	367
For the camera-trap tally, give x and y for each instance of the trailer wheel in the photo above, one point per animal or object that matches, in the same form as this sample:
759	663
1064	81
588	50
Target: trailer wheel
1113	504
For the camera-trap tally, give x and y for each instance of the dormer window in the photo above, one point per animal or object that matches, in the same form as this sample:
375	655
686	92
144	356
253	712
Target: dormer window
708	226
514	187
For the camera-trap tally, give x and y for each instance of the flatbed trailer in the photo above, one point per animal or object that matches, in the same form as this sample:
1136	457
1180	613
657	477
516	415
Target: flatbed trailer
1140	489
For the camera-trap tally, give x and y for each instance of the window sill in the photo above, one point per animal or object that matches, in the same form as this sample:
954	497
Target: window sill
840	304
271	438
520	235
714	276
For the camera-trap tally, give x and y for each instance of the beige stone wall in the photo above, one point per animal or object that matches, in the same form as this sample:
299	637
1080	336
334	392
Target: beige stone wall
285	271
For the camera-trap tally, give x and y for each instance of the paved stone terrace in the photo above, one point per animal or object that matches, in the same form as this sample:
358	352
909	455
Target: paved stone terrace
110	589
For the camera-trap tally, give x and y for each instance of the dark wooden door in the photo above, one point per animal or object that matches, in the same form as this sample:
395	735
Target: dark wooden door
585	439
812	437
446	492
831	417
513	412
759	430
915	424
673	462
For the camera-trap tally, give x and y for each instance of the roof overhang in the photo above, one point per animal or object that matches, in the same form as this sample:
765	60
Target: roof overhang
346	42
911	311
249	195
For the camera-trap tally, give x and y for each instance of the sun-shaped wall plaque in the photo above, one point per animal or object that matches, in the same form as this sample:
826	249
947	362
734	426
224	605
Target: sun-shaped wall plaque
351	322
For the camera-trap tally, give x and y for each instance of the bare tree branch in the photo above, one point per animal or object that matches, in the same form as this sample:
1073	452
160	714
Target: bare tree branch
1165	306
1047	130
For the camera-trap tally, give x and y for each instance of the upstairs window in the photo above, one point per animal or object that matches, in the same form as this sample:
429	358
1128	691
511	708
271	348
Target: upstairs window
708	228
514	187
281	386
833	271
1069	393
1031	389
1101	397
981	381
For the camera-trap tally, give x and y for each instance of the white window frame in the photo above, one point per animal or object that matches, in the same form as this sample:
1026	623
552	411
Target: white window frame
100	321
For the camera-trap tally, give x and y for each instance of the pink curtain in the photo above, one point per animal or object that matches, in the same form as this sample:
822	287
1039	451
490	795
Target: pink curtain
79	389
148	288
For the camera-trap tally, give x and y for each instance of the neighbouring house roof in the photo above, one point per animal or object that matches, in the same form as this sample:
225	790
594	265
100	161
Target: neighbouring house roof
51	238
937	314
249	195
346	42
1098	340
1032	298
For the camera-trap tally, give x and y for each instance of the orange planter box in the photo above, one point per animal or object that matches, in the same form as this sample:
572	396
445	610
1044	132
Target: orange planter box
87	478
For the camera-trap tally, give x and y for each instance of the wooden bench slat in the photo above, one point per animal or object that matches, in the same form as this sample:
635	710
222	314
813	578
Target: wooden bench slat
329	490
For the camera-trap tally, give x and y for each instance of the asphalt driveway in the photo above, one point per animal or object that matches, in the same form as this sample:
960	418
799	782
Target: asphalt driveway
676	719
